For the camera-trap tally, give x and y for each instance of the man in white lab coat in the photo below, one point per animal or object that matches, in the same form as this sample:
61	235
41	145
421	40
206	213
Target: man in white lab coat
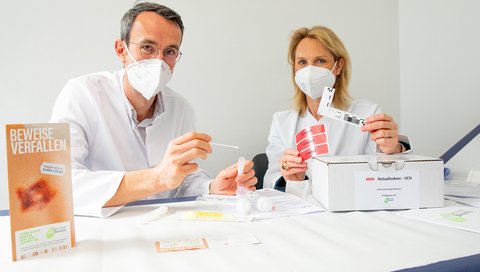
132	137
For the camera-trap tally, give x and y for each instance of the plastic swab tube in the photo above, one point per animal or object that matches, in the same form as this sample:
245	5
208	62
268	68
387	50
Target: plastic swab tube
243	205
241	166
248	198
224	145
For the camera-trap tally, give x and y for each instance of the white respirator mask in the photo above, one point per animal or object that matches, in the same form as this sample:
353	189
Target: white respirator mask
148	76
312	80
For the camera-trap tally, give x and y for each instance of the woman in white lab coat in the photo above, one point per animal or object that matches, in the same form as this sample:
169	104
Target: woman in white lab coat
319	59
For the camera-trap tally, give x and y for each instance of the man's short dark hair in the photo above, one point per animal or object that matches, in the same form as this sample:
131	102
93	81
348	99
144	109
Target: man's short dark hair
131	15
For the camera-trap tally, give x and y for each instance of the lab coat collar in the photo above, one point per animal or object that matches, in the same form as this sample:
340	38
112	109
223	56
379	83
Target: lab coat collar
132	114
156	113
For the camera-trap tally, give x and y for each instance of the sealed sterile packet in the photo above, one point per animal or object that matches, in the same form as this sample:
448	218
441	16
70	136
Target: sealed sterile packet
215	208
226	208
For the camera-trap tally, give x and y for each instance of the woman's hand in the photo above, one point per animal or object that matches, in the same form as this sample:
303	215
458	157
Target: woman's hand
291	165
384	131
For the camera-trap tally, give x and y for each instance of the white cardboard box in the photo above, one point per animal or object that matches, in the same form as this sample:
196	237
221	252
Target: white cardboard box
377	182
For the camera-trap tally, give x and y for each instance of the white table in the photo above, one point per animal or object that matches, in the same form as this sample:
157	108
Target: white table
349	241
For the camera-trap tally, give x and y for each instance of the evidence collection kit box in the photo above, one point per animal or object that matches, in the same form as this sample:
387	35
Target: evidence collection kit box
377	182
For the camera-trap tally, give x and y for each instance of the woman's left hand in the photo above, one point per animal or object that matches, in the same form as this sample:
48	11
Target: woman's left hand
384	131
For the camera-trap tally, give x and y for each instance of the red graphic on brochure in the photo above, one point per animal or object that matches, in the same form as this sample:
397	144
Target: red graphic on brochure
312	141
40	189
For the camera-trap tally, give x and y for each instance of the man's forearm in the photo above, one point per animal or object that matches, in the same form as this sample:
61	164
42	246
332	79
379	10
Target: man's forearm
135	185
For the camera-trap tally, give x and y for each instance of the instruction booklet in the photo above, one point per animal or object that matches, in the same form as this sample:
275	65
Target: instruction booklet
459	217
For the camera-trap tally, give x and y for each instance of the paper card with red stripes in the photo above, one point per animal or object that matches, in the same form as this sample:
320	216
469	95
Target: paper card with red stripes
307	142
314	151
313	130
312	141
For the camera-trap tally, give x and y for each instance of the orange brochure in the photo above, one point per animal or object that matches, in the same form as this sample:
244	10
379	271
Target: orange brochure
40	189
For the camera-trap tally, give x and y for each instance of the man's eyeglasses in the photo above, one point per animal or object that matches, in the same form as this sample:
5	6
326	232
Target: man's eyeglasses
150	51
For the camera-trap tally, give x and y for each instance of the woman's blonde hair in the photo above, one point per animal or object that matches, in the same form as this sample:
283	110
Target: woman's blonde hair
335	46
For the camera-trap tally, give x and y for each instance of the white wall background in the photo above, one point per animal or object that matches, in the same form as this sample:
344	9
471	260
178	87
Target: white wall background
234	69
439	71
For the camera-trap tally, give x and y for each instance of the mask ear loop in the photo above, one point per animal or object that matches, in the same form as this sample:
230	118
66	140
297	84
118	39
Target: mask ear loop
128	52
335	64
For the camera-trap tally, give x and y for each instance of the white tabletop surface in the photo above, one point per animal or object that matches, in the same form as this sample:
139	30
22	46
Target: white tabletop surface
342	241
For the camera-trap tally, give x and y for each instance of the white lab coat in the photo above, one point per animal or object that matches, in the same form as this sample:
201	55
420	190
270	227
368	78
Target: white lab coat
106	143
343	138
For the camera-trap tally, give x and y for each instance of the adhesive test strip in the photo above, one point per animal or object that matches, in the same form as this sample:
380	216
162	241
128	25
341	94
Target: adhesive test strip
325	109
225	145
205	243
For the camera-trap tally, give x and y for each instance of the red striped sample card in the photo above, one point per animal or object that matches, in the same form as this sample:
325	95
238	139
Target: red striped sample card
312	141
